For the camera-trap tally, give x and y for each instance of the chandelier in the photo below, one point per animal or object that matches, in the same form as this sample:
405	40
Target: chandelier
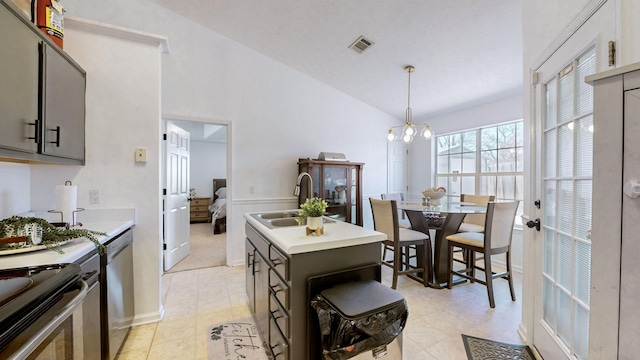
409	130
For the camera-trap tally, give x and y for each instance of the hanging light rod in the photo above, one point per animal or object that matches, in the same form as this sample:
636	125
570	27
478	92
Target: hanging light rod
409	129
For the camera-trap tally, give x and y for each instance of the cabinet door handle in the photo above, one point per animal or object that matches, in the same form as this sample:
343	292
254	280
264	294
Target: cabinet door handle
276	288
250	263
57	131
35	137
276	317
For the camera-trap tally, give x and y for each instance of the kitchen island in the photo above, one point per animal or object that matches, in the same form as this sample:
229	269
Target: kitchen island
285	268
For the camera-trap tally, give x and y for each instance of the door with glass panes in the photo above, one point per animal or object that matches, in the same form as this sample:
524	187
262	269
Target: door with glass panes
563	177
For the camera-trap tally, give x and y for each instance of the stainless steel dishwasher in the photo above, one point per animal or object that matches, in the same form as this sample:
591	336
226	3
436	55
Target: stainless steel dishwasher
91	327
118	292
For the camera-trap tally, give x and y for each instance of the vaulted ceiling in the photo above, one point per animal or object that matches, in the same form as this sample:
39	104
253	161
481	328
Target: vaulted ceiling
466	52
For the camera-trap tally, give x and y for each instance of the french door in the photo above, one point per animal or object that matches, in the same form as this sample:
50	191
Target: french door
563	177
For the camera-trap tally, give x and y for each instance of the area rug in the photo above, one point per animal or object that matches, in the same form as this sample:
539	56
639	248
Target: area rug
483	349
237	339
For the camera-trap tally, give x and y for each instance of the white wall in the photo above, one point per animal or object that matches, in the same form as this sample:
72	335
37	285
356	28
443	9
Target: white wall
276	113
208	162
122	113
15	195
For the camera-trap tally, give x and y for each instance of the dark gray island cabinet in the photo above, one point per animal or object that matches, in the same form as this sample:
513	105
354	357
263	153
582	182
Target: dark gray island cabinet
279	263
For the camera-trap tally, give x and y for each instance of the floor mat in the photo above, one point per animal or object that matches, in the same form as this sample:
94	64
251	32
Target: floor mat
237	339
483	349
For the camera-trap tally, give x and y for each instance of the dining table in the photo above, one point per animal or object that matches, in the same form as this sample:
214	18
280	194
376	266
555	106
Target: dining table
455	213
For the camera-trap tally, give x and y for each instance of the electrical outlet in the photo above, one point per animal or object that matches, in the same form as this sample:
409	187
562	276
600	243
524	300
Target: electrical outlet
94	196
252	190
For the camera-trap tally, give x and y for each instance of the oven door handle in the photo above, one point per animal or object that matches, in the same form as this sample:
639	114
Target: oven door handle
28	347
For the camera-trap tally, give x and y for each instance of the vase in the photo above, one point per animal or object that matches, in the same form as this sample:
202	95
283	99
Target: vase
315	225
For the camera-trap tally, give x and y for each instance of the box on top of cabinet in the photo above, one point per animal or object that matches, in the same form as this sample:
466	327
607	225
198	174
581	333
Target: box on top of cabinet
25	7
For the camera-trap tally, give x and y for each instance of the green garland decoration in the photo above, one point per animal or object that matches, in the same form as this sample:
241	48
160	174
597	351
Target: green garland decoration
51	236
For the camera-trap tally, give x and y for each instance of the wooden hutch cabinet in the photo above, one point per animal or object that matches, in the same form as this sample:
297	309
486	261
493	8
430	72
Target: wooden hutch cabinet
339	183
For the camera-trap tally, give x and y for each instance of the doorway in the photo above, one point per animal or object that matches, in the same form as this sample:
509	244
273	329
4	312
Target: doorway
209	159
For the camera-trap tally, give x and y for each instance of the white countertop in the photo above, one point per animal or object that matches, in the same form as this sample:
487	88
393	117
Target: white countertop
293	239
72	250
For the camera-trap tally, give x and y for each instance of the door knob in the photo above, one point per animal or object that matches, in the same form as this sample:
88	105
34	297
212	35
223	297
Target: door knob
530	223
534	224
632	189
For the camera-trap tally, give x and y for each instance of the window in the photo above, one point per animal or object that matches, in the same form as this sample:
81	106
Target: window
485	161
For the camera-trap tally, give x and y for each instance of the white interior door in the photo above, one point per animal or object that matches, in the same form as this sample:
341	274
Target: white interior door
563	176
176	209
397	165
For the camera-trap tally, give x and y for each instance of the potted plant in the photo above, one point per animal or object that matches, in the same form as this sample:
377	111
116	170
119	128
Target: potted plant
311	212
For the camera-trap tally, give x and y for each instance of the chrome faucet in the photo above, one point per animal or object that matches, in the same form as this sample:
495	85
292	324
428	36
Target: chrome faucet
296	192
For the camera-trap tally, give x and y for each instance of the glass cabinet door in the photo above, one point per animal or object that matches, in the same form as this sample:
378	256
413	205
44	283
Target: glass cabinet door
335	185
338	183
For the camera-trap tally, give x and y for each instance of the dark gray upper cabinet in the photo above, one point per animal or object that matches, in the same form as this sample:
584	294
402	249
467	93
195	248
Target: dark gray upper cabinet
18	85
63	106
42	96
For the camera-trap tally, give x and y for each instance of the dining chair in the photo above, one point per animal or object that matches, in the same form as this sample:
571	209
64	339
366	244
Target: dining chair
400	240
474	222
419	223
402	222
399	198
495	240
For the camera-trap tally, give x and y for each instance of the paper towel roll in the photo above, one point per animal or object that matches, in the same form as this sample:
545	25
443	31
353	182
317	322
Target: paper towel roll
67	202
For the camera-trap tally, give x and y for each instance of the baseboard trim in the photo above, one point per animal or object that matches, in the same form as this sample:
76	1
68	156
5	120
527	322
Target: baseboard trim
148	318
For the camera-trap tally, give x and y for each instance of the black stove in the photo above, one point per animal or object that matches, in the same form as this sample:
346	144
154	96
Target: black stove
27	293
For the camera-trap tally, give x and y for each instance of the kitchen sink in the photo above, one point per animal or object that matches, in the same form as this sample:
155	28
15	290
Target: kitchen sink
276	215
284	222
282	219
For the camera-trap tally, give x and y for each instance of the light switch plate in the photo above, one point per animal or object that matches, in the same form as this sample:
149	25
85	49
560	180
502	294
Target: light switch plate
141	155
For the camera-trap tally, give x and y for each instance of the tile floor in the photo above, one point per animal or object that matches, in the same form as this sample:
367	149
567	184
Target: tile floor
196	299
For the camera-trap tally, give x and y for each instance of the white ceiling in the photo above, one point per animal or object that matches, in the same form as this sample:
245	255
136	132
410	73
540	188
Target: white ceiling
466	52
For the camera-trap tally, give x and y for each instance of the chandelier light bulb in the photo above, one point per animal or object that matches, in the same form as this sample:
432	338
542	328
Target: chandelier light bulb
391	136
409	130
407	138
427	133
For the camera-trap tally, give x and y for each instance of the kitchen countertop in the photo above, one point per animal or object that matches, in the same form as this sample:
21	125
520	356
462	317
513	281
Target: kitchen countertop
72	250
293	239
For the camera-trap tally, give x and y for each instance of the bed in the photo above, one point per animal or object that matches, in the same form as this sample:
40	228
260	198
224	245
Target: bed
218	206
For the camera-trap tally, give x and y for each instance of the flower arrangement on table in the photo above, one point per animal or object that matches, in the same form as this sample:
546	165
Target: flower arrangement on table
434	195
311	212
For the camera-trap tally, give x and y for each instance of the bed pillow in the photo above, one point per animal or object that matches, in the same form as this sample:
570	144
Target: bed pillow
222	193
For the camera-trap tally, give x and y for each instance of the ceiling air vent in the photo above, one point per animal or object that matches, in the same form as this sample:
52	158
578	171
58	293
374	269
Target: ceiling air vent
361	44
